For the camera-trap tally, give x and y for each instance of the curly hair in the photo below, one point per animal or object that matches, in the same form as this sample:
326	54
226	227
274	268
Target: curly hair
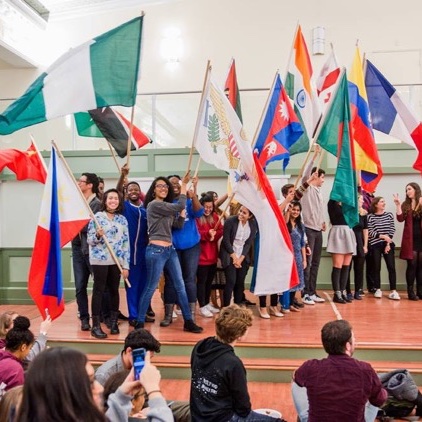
20	334
232	323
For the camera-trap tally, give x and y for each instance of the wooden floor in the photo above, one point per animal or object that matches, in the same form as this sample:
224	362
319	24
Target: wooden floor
376	323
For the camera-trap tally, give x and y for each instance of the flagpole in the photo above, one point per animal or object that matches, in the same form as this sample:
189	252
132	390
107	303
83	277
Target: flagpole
201	106
91	213
291	50
300	174
129	140
223	213
114	156
265	109
39	154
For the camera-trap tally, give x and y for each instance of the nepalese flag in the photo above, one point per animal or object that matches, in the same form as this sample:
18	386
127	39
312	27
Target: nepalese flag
231	89
63	214
221	141
327	79
390	114
366	154
280	127
103	71
113	126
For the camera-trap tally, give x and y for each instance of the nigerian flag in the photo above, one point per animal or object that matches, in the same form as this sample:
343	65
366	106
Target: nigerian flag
101	72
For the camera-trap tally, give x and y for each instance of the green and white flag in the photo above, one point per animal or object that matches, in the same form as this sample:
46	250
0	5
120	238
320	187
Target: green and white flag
101	72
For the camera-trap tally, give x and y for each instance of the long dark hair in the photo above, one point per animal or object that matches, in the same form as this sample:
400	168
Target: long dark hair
20	334
299	224
374	203
119	209
57	388
150	195
406	206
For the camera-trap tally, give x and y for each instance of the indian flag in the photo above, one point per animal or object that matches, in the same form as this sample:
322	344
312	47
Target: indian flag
300	85
101	72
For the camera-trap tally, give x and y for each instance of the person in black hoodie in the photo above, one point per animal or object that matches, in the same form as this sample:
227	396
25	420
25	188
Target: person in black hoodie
219	391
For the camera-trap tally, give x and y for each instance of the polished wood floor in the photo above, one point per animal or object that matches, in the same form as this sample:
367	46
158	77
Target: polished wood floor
377	323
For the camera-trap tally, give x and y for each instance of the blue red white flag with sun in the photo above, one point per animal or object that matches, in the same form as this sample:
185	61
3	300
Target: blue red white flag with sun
280	127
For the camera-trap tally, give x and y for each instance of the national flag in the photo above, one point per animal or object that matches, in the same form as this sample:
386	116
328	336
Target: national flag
101	72
112	126
63	214
327	79
300	87
217	124
366	153
280	127
335	135
231	89
25	164
390	114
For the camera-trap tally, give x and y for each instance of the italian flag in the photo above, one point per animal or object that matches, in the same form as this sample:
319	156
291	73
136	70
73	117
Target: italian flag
101	72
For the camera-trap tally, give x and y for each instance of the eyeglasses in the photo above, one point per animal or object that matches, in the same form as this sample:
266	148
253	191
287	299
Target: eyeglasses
161	186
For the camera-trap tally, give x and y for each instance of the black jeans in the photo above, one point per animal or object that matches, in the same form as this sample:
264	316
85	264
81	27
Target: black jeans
375	263
105	275
311	270
358	263
204	277
235	283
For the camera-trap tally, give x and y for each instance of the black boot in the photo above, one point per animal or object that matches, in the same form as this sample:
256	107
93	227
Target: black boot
96	330
411	293
114	328
338	298
150	312
168	315
85	324
192	327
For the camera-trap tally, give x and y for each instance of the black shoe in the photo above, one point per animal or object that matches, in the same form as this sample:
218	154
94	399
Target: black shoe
192	327
298	304
122	317
138	325
149	319
248	303
85	324
412	296
150	312
346	298
357	296
337	299
132	322
361	292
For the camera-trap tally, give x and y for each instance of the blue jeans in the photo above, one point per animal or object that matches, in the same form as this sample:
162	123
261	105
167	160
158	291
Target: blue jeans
159	258
189	259
300	399
81	271
253	417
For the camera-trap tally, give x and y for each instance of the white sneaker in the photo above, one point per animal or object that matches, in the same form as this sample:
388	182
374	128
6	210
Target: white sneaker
212	308
178	311
205	312
307	300
378	294
394	295
317	299
174	315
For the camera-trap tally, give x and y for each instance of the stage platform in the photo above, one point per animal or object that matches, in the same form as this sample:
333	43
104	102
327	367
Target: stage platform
387	333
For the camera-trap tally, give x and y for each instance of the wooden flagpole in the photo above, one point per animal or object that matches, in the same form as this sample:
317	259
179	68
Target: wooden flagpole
129	140
201	107
114	156
110	249
223	213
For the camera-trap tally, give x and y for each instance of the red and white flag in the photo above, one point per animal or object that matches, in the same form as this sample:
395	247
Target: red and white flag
327	79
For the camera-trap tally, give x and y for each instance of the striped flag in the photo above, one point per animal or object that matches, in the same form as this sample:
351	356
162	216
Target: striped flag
101	72
390	114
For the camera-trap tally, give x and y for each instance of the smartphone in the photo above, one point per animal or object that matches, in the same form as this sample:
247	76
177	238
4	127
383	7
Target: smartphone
138	356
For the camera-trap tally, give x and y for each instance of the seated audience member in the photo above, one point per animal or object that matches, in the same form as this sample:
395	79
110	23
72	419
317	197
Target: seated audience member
219	391
138	411
9	404
19	341
6	323
134	340
60	386
338	387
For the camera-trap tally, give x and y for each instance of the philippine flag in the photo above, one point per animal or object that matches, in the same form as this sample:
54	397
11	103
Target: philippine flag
280	127
63	214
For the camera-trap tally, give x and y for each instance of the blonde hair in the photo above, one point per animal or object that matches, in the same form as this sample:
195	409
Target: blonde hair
6	321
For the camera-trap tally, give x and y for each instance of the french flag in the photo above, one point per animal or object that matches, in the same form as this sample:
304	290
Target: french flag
63	214
280	127
390	114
